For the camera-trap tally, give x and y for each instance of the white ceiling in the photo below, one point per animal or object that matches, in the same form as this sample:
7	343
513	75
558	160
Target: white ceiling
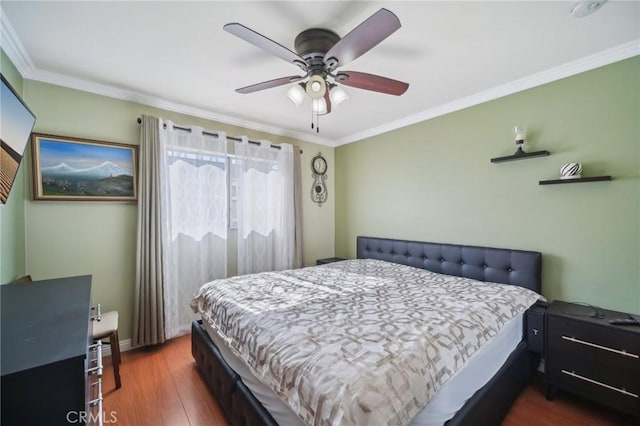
176	56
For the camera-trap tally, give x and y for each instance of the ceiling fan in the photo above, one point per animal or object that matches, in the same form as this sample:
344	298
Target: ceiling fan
319	52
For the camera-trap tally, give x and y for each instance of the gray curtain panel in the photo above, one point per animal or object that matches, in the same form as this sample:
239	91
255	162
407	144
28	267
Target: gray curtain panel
148	314
297	200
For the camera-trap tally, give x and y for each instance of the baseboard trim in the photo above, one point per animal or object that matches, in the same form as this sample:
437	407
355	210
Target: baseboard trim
125	345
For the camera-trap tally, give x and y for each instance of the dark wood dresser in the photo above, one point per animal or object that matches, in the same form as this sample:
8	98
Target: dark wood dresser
588	356
45	338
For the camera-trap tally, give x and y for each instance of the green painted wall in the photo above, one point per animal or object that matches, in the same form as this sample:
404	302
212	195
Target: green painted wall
12	243
433	181
72	238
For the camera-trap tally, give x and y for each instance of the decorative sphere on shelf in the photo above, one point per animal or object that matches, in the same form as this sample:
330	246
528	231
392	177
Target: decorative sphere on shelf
570	171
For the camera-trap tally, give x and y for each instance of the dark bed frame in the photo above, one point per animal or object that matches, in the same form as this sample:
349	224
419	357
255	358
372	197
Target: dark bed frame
488	406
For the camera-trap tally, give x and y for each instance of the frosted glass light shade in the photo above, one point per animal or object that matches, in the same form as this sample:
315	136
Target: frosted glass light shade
296	94
316	86
319	106
338	95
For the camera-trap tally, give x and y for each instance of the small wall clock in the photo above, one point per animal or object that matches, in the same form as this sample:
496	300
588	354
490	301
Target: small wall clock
319	174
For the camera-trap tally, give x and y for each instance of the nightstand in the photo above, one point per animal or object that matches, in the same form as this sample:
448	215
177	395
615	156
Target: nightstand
588	356
329	260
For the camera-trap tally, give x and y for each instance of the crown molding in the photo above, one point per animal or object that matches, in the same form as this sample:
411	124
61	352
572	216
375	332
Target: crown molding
605	57
156	102
15	50
13	47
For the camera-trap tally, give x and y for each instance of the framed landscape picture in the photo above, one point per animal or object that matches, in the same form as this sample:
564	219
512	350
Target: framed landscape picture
73	169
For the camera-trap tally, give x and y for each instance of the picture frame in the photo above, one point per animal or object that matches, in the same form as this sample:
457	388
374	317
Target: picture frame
16	124
75	169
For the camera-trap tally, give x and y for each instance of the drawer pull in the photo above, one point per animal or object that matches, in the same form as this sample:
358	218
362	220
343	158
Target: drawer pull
98	360
582	342
595	382
98	315
97	402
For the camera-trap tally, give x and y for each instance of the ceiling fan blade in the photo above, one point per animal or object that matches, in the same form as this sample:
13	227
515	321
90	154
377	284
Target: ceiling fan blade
264	43
372	82
362	38
269	84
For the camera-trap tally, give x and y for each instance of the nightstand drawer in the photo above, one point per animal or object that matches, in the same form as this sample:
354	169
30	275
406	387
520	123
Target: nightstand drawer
594	365
602	392
571	332
599	354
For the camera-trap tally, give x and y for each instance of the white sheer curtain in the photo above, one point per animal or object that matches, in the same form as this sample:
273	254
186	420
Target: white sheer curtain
193	178
266	209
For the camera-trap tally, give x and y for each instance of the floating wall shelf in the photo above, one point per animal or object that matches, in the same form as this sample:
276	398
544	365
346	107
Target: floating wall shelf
520	155
577	180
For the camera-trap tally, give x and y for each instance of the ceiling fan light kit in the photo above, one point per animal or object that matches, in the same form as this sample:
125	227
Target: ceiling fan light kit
296	94
318	53
338	95
316	86
319	106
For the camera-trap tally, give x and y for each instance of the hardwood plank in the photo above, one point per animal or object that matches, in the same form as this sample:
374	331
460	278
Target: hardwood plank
140	404
161	386
532	408
198	402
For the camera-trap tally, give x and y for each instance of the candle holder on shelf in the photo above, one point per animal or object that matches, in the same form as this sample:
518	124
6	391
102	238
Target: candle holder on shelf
520	135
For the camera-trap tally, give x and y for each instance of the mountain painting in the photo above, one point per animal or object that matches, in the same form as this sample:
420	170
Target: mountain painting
83	170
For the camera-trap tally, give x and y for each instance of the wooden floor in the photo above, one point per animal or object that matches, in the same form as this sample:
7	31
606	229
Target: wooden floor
161	386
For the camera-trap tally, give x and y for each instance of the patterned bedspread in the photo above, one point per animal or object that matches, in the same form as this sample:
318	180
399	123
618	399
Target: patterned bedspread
359	342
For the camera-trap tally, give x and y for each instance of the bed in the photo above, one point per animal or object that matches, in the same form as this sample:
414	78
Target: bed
487	405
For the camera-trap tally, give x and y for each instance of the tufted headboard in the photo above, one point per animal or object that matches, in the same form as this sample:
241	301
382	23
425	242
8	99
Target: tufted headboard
505	266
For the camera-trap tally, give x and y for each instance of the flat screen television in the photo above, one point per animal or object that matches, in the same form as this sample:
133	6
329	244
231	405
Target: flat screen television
16	124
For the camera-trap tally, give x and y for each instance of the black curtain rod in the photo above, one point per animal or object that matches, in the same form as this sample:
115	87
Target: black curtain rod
233	138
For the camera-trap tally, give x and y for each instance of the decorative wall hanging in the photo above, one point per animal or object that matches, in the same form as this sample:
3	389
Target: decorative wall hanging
16	123
73	169
319	174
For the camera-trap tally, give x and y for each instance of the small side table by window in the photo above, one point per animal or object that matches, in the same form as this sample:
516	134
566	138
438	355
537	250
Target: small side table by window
329	260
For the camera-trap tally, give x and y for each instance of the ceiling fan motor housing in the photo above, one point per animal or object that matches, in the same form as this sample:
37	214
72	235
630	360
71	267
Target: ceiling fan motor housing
312	44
